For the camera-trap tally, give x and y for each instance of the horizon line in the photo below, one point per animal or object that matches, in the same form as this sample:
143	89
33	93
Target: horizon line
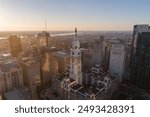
58	30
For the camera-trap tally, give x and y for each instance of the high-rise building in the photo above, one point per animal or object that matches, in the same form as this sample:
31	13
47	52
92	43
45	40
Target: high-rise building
11	74
106	54
140	67
48	62
75	60
4	45
63	60
136	30
49	65
98	51
117	60
15	45
2	84
31	74
86	59
43	39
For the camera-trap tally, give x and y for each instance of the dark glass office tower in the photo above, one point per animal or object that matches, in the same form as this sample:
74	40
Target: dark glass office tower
140	70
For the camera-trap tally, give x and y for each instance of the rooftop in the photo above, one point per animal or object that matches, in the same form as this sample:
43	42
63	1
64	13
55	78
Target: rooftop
43	33
71	80
18	94
28	60
94	90
59	78
3	38
85	90
101	86
76	87
7	66
5	57
61	54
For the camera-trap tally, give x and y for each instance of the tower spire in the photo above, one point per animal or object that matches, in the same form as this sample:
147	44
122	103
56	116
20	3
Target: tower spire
75	32
45	24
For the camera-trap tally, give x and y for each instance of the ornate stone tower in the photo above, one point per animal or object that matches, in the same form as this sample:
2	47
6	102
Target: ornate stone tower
75	60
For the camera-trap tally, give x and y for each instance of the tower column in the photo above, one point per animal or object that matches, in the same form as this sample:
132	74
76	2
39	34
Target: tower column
75	60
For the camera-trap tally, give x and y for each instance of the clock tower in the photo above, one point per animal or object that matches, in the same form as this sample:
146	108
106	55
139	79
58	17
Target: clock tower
75	60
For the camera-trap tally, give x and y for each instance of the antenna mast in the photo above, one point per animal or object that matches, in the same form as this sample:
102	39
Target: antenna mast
45	24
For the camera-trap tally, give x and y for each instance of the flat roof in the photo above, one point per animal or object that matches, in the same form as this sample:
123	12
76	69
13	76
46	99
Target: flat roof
61	54
5	56
71	80
1	38
94	90
8	65
101	86
18	94
28	60
76	87
85	90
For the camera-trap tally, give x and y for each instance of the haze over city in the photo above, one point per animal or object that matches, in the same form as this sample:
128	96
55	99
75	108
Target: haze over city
29	15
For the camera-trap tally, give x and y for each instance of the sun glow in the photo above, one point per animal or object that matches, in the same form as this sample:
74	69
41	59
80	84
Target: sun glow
3	18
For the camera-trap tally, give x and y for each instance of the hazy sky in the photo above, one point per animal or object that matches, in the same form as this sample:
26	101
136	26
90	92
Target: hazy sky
67	14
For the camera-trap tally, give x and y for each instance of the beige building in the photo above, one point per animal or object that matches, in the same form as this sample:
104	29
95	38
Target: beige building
31	74
63	60
2	84
10	75
117	60
4	45
43	39
49	65
15	45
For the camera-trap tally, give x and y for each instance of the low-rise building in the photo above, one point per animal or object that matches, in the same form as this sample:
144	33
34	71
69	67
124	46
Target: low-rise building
18	94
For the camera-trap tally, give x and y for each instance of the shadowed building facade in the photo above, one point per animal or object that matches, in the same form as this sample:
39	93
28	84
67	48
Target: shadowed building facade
140	72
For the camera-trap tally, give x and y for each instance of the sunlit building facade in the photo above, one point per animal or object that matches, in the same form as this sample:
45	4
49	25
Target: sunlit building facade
43	39
11	75
31	74
15	45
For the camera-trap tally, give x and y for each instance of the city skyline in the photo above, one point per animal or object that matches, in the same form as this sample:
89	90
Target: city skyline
106	15
91	66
